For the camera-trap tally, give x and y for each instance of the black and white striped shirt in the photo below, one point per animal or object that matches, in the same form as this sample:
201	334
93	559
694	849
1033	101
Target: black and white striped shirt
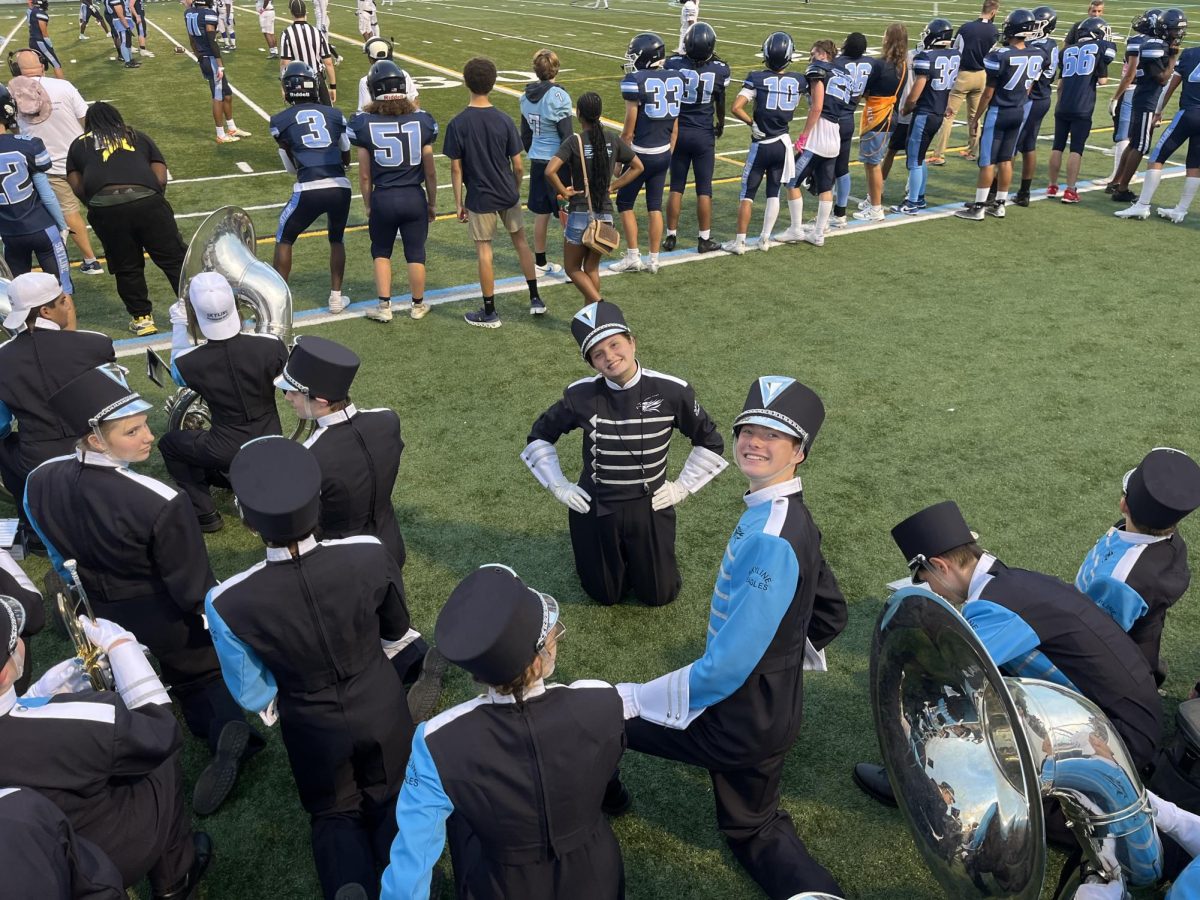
304	43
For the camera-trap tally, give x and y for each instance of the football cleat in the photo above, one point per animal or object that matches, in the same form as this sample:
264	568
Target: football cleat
1052	190
91	268
792	236
737	246
1125	196
238	132
1173	214
668	243
1022	199
146	53
650	266
707	246
814	236
1070	196
1137	211
864	203
228	138
765	243
628	264
995	208
974	212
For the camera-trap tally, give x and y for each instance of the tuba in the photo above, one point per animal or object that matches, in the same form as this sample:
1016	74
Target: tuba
972	753
72	602
6	276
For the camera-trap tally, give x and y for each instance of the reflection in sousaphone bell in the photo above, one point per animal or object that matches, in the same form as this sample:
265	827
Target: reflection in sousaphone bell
971	754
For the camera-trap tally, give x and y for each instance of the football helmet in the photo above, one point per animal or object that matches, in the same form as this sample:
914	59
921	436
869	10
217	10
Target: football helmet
778	50
8	109
1172	27
646	51
385	81
1093	29
1047	20
378	48
700	43
41	4
938	33
1147	22
299	83
1020	25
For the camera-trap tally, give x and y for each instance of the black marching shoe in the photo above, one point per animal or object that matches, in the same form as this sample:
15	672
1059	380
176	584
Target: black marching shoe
873	781
668	243
704	245
211	522
617	799
185	889
216	781
423	695
354	891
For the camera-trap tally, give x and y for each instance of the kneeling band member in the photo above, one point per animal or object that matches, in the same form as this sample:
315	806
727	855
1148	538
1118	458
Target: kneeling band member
622	517
736	711
522	767
309	632
234	372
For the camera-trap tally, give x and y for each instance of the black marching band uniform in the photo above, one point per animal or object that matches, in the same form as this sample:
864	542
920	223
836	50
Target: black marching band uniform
16	584
142	561
621	543
521	776
314	625
737	710
234	372
110	761
34	364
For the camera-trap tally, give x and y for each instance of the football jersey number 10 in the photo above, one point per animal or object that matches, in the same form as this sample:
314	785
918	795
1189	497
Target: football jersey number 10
391	141
782	93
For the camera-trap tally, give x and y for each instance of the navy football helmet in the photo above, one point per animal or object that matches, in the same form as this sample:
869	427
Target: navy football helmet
1047	20
700	43
778	50
41	4
1147	22
1093	29
1021	25
300	83
8	109
938	33
646	51
385	81
1172	27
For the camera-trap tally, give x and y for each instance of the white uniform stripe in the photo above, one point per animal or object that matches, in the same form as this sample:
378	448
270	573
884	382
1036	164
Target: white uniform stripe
90	712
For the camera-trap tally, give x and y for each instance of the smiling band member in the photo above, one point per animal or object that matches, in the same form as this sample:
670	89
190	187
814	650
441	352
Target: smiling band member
737	709
622	517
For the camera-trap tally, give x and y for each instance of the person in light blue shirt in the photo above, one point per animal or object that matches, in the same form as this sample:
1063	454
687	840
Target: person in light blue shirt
545	123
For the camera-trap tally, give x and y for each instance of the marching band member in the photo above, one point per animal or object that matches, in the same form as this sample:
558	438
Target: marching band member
234	371
736	711
110	760
622	510
519	771
309	632
141	558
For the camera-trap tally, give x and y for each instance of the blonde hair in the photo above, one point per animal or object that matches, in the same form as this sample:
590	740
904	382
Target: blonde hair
399	107
895	45
545	64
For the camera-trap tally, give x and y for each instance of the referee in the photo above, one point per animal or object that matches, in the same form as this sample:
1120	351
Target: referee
304	43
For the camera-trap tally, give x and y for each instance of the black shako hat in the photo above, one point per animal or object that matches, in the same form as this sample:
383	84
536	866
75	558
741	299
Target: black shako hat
319	367
12	623
494	624
277	483
1163	489
931	532
96	396
783	403
594	323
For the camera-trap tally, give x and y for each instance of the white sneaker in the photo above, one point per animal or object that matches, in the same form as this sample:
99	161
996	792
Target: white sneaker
814	236
147	54
1173	214
84	37
650	266
865	203
337	303
792	236
737	247
381	313
548	269
628	264
835	222
871	214
765	243
1137	211
418	310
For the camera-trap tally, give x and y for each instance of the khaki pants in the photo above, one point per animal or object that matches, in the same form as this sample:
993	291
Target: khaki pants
969	86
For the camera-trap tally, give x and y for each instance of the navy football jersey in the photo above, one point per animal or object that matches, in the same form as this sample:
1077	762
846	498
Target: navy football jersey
940	65
1187	67
35	32
1048	47
21	209
700	84
110	7
315	136
1133	44
837	89
1083	65
395	143
1011	72
1151	60
858	71
196	20
776	96
659	96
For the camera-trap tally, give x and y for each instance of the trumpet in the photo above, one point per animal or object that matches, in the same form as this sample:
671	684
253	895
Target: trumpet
72	603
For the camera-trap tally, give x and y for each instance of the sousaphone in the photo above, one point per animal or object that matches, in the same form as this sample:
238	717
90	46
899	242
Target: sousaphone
971	754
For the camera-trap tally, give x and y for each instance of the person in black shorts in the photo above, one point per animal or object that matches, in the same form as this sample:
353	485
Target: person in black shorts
545	123
1085	62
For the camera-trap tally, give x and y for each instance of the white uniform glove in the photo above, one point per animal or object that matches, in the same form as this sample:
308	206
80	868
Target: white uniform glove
65	678
270	715
757	133
104	633
1179	824
628	692
542	460
670	494
178	313
1096	890
701	467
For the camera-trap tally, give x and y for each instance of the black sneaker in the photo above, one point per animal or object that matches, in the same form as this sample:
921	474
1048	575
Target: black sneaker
1125	196
1022	199
186	889
537	307
704	245
483	319
216	781
133	64
668	243
423	695
1110	188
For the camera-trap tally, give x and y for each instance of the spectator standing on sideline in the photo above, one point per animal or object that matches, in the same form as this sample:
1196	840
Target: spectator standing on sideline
53	110
122	177
545	124
485	157
304	43
885	85
973	41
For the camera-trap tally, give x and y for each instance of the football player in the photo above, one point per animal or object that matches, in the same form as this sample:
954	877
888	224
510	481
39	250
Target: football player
39	34
225	25
776	94
934	69
689	15
88	10
201	21
653	100
368	21
701	124
122	30
266	24
1122	103
1155	62
377	49
314	143
1011	72
850	61
1185	127
1039	99
1084	65
139	21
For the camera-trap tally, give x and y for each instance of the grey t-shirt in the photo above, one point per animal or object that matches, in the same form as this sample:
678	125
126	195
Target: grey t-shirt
568	152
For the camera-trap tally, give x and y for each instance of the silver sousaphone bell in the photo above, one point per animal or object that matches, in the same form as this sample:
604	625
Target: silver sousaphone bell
971	754
6	277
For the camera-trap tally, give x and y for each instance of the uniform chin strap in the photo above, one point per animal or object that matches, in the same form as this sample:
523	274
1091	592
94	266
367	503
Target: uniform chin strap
135	678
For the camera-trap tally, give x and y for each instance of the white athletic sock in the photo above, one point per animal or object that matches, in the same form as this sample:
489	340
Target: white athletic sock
824	209
770	214
741	238
705	234
633	253
230	125
981	195
796	211
220	132
1118	151
1189	193
653	259
671	232
1149	186
1002	196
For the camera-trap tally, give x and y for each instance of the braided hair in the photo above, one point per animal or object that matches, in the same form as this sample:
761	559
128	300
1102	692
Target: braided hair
108	130
589	108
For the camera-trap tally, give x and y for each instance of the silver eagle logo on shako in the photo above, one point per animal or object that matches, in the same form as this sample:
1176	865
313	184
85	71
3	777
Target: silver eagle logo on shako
651	405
